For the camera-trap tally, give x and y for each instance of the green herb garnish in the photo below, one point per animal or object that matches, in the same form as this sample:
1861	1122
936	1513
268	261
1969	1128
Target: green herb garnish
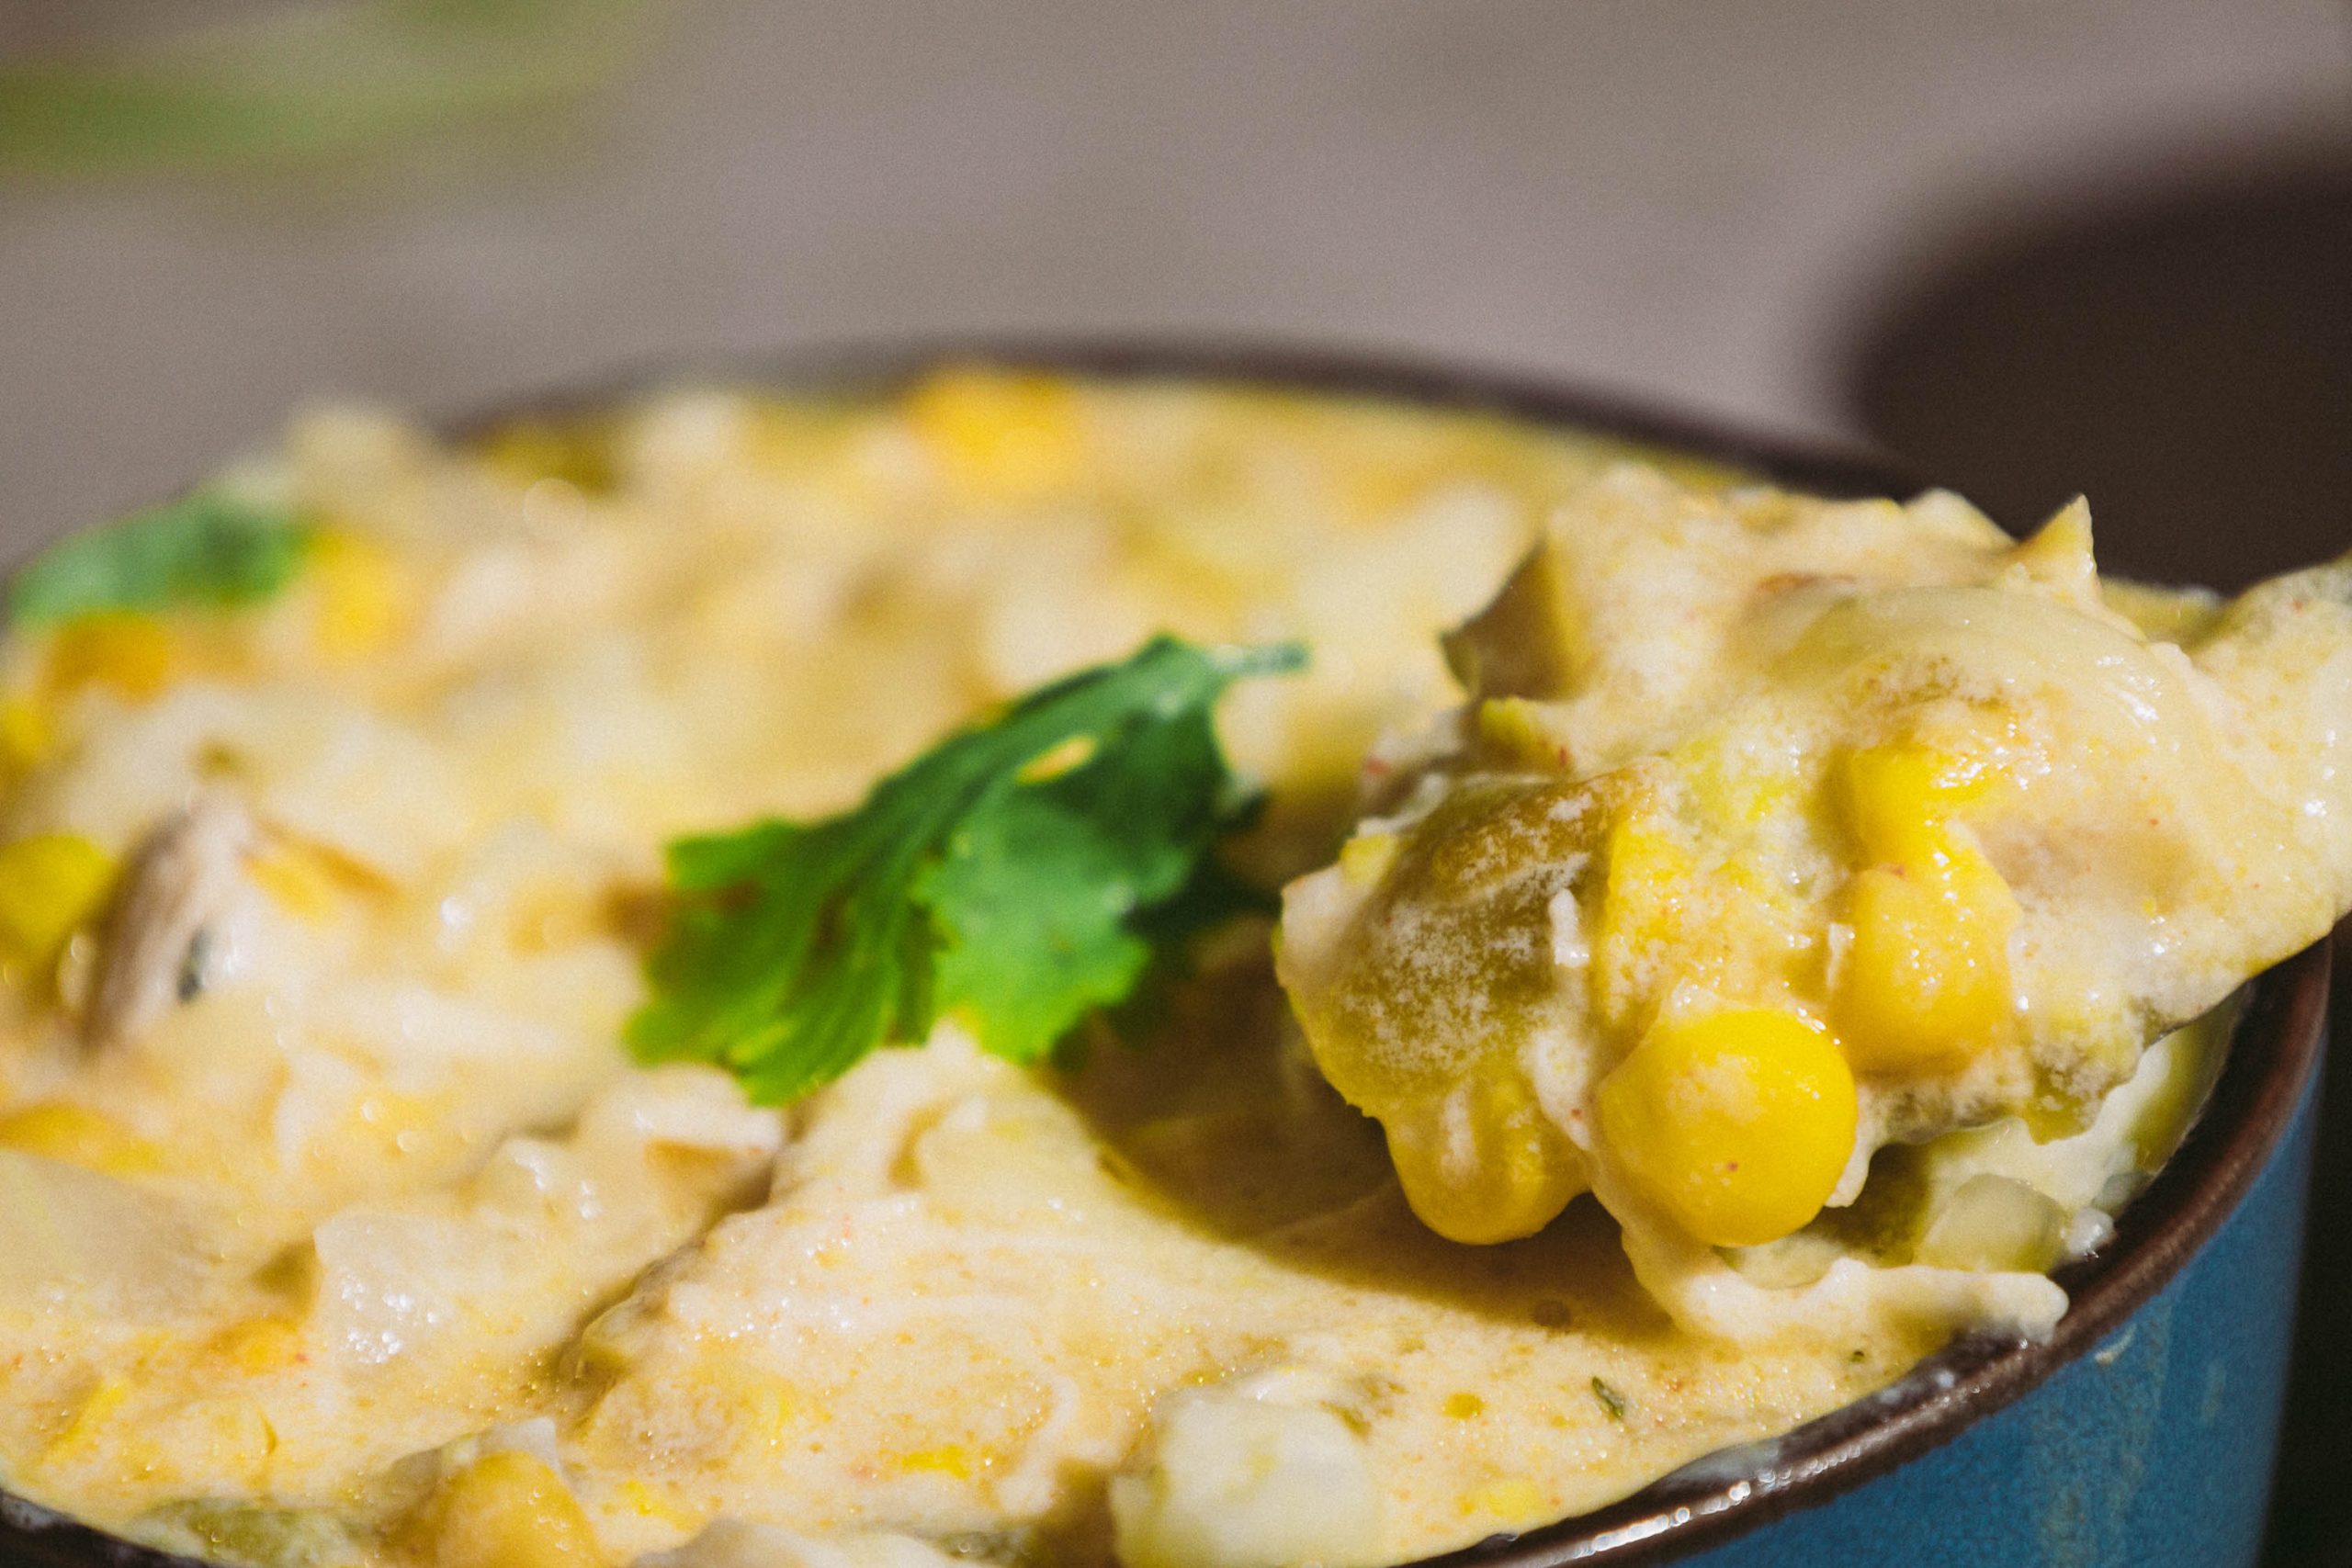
1613	1403
205	549
1018	876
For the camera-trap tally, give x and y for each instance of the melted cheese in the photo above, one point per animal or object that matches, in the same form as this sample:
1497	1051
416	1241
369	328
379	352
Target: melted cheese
1779	831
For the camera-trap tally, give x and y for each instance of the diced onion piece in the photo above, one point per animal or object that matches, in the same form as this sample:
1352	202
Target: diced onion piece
67	1230
1237	1480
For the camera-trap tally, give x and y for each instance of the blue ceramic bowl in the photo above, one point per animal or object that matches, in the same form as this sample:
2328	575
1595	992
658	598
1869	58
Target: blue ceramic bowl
2142	1434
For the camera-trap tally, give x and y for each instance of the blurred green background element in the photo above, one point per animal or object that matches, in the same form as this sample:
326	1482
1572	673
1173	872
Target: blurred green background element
308	86
2035	246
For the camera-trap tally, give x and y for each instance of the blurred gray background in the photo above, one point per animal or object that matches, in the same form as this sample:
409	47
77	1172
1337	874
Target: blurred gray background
2035	246
1701	201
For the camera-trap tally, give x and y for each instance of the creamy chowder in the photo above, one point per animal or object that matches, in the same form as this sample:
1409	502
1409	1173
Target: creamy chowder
341	1226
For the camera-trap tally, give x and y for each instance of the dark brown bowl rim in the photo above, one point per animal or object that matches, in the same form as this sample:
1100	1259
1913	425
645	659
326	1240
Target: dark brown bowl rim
2273	1054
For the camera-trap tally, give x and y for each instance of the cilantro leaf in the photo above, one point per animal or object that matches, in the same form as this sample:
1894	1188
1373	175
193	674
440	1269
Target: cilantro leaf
203	549
1018	876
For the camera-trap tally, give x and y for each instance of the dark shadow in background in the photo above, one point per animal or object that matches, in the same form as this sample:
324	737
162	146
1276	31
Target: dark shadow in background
2182	355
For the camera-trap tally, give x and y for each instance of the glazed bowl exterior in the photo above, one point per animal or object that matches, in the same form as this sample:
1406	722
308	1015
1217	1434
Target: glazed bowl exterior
2142	1434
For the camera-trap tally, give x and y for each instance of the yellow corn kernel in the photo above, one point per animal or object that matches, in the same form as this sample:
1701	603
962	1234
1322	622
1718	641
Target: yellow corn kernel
646	1502
1514	1499
132	653
1899	799
578	451
49	884
302	880
949	1460
75	1134
1514	728
1365	859
1000	435
762	1408
1730	789
1737	1124
508	1510
362	594
1646	878
89	1417
1482	1163
259	1344
25	733
1925	982
1642	928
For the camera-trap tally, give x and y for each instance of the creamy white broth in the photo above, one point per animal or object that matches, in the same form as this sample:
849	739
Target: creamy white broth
379	1249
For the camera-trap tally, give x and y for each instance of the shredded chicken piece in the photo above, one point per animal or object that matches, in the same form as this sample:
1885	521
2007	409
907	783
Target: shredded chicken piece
179	880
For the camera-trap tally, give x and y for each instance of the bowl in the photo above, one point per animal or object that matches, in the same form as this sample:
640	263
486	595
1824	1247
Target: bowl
2142	1431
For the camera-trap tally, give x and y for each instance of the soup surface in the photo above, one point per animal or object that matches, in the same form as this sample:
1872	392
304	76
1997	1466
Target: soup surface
340	1226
